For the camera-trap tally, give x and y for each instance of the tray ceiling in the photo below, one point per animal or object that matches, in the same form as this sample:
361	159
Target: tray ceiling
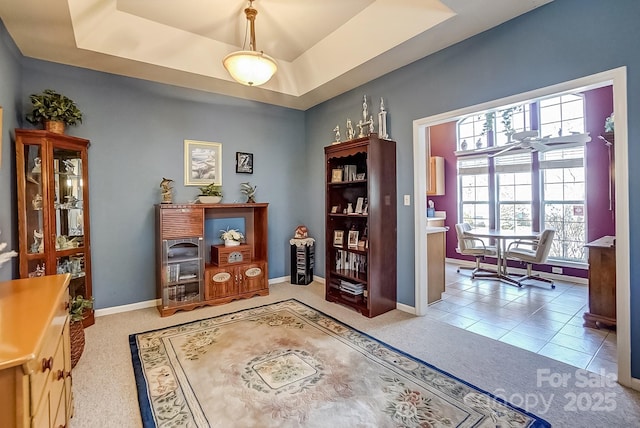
323	48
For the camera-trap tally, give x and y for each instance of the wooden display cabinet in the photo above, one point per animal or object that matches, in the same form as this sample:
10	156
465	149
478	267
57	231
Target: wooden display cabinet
602	283
184	281
53	209
361	224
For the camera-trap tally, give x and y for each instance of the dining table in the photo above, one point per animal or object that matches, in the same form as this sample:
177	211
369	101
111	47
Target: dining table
501	237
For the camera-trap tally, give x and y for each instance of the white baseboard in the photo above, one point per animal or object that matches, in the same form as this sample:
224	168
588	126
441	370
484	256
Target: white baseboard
156	302
319	279
127	308
406	308
554	276
279	280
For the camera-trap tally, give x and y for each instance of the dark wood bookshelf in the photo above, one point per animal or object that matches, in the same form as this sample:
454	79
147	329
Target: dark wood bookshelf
374	266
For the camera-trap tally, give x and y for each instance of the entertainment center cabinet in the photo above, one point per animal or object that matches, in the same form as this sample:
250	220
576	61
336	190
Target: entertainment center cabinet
186	279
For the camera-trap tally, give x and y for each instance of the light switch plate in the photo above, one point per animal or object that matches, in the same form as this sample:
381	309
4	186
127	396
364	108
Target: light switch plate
407	200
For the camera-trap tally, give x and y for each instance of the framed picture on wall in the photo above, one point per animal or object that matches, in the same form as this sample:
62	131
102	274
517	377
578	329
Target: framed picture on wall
202	163
244	163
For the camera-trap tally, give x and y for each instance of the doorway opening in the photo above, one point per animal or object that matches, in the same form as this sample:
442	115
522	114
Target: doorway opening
421	150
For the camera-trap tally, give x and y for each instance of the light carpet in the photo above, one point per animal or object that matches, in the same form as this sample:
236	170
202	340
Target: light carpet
287	364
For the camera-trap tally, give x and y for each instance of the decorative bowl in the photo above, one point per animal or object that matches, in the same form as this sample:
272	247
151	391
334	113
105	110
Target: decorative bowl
209	199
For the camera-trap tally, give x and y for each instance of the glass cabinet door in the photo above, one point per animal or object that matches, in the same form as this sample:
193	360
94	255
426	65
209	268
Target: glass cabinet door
34	194
53	208
69	221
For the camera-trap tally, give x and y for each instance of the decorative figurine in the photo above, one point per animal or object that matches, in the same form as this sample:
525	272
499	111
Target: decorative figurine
167	190
350	132
38	272
365	112
362	123
382	121
337	131
38	245
37	202
301	232
68	166
249	191
37	166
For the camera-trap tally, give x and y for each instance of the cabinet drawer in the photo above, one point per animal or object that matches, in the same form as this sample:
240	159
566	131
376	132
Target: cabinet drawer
42	418
60	412
182	222
47	387
51	358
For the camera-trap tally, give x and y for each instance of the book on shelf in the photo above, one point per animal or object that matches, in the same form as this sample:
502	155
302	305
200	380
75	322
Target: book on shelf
346	260
352	287
173	272
350	172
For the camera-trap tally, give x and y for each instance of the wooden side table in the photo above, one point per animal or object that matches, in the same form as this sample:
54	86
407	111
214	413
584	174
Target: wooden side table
602	283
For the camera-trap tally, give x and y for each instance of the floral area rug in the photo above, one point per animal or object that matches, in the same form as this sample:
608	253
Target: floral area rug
289	365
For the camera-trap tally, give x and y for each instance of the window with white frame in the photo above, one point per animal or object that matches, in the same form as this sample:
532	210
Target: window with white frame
474	191
511	120
498	192
514	194
472	132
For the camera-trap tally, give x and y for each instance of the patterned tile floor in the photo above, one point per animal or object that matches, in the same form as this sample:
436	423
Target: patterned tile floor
534	317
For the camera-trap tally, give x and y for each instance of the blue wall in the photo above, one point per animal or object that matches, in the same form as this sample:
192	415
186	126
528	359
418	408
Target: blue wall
561	41
137	128
10	99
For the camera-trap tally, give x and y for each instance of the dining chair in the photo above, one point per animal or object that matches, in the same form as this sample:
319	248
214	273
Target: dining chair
473	246
532	251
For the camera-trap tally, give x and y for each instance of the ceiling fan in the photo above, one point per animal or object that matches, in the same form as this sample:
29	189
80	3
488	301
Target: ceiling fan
530	140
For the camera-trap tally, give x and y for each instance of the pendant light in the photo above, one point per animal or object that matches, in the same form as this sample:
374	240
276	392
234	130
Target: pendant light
252	67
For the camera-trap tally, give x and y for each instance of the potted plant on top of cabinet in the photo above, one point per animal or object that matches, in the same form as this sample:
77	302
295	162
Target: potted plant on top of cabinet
210	194
54	110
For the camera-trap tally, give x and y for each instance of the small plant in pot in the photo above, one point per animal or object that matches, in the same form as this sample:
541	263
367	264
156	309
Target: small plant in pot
211	194
76	313
54	110
231	237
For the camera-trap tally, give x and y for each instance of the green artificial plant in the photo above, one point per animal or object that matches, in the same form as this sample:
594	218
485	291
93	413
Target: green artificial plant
52	106
211	190
78	305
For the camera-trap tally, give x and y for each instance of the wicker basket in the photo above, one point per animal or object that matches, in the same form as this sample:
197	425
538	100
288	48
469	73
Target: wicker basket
55	126
76	330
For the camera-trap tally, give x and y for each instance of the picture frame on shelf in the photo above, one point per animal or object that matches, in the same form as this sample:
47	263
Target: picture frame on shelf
336	175
338	238
202	163
359	205
334	209
353	239
244	163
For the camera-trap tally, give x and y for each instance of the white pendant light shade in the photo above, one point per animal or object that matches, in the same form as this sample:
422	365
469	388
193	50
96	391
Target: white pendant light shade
251	68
